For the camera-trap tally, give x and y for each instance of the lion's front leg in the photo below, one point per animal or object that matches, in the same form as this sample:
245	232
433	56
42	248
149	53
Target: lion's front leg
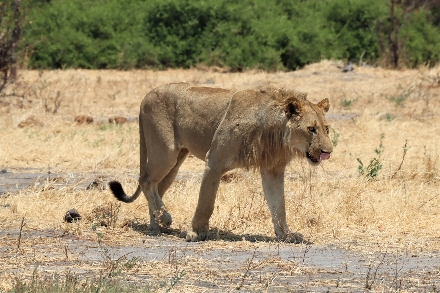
273	187
205	205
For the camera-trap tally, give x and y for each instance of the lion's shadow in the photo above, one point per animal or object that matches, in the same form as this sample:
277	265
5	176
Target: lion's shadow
214	234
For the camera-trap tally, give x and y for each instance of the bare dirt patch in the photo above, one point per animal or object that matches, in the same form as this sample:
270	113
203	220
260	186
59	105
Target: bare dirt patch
220	264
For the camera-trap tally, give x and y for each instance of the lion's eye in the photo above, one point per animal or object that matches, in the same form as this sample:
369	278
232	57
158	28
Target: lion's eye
311	129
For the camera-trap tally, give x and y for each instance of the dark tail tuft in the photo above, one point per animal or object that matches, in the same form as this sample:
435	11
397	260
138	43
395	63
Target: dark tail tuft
117	190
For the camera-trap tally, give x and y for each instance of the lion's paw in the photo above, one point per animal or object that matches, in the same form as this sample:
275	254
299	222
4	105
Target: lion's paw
197	236
166	219
192	237
163	218
295	238
154	227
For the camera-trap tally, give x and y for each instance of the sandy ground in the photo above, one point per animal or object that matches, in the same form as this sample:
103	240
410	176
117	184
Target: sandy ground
225	265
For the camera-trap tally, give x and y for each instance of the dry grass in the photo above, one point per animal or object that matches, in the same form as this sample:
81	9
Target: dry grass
329	205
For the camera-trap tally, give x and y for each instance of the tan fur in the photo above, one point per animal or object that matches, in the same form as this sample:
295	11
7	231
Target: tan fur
263	146
258	129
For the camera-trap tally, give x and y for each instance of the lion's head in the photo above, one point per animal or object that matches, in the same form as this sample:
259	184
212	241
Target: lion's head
307	127
289	125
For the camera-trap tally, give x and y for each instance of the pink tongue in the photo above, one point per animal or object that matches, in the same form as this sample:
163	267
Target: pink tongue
324	156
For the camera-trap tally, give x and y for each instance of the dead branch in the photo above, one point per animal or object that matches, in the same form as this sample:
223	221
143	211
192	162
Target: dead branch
22	224
405	149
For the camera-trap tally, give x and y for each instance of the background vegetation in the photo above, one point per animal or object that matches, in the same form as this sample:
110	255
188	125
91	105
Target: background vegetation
267	34
11	21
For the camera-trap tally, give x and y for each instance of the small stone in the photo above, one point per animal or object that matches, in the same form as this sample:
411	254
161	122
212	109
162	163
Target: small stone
72	216
231	176
81	119
97	184
348	67
4	171
117	120
30	121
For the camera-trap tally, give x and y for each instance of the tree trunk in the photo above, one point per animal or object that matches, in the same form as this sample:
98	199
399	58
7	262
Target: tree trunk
15	37
393	36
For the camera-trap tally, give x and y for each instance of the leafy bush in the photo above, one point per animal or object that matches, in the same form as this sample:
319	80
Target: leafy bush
88	34
355	23
422	40
267	34
372	170
225	33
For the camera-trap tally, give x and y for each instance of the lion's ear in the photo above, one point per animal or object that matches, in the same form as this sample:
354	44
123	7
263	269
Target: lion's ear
324	105
293	106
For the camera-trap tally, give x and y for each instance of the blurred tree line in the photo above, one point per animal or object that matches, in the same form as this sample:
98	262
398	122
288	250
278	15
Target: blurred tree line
11	21
266	34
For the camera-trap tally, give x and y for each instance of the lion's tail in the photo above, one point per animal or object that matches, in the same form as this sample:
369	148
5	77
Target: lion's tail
119	193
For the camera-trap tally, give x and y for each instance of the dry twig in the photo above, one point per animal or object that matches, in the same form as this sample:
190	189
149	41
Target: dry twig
405	149
246	272
22	224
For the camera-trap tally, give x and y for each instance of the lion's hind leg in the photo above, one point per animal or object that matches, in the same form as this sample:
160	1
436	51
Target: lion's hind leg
158	175
169	178
154	191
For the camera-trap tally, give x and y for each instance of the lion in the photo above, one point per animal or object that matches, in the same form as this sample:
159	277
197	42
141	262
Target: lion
260	129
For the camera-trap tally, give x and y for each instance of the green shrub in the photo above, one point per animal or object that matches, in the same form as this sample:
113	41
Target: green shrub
372	170
225	33
267	34
305	38
88	34
355	23
422	40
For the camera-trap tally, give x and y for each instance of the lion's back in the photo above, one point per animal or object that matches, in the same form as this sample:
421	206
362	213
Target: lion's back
188	113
